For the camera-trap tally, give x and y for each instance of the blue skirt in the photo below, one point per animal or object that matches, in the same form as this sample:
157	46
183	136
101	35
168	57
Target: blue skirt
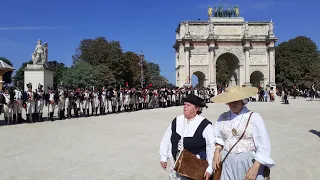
235	167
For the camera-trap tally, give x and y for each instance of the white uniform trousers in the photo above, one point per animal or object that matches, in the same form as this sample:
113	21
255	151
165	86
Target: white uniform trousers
7	110
39	106
52	107
30	107
17	106
85	104
61	104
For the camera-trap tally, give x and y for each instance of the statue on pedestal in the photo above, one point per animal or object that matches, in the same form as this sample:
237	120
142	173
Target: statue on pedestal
246	29
40	54
187	34
271	29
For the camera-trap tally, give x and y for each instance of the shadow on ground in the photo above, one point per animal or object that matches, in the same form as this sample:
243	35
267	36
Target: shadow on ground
315	132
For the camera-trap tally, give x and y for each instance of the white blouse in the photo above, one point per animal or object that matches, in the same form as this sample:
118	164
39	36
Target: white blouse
188	131
255	139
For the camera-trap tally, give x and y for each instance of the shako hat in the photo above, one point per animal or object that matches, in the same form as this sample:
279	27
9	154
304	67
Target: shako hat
235	93
29	85
40	86
195	100
50	87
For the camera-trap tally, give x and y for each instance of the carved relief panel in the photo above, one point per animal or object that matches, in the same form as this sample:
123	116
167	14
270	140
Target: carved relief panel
199	60
261	30
258	56
199	30
258	59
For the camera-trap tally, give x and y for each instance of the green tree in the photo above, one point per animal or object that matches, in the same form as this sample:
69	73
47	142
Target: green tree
58	69
222	72
19	76
154	77
7	76
81	75
294	60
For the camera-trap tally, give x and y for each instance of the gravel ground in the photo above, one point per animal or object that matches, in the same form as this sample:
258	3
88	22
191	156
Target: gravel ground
126	146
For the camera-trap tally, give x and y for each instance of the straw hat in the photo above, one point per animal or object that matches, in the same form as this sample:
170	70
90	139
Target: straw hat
235	93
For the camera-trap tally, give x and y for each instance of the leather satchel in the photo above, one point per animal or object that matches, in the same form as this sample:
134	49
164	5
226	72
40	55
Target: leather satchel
217	172
188	165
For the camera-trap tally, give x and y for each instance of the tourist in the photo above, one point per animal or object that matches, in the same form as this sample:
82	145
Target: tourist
198	136
250	157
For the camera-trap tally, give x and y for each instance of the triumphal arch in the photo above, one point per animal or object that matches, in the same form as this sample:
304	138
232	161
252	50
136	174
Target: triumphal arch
247	48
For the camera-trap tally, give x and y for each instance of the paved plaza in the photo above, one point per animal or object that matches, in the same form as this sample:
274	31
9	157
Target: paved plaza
125	146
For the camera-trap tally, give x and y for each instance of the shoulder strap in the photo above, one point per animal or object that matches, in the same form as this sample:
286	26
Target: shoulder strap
238	139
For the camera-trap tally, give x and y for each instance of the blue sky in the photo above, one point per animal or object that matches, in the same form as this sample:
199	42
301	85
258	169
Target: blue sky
139	25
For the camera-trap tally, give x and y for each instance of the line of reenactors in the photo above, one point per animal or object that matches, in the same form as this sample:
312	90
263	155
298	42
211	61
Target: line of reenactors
89	100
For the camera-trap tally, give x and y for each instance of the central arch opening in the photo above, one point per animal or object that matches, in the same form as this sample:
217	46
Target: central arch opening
227	70
198	79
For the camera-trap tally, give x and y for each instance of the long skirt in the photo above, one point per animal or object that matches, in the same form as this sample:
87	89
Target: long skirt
235	167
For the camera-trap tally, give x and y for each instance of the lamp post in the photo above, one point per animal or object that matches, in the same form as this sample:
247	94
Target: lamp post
141	68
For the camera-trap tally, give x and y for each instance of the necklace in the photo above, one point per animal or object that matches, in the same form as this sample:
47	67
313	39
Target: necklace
234	131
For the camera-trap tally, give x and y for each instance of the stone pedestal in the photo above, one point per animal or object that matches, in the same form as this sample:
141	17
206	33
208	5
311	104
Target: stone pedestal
38	74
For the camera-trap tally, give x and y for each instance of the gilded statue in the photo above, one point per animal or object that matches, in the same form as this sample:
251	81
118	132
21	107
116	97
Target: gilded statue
210	11
237	11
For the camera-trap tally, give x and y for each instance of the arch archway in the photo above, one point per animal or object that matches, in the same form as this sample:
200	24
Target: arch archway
227	70
257	79
198	79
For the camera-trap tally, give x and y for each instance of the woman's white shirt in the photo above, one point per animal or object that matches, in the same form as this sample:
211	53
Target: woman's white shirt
256	137
188	129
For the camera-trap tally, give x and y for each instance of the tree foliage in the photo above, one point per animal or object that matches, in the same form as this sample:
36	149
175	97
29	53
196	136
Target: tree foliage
296	62
7	76
222	72
108	58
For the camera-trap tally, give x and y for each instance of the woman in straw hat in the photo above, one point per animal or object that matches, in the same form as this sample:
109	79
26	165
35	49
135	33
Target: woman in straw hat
250	157
197	133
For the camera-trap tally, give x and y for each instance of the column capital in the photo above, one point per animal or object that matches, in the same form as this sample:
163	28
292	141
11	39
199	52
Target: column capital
271	49
246	48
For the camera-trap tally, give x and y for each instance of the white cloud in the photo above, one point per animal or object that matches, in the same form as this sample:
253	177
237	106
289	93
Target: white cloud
9	28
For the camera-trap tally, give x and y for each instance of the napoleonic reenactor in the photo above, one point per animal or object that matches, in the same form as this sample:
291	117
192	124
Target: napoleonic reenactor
17	104
86	102
120	99
62	100
114	100
52	101
95	101
30	104
103	101
7	100
78	99
39	100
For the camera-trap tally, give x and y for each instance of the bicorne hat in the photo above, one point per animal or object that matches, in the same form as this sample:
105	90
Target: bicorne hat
195	100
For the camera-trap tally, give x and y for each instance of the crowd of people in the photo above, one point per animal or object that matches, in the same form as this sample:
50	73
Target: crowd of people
76	102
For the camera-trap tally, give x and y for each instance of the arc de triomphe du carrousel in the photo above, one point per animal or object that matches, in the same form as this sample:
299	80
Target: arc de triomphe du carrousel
247	48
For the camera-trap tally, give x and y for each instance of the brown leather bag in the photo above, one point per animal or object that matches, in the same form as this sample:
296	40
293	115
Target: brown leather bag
217	172
190	166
